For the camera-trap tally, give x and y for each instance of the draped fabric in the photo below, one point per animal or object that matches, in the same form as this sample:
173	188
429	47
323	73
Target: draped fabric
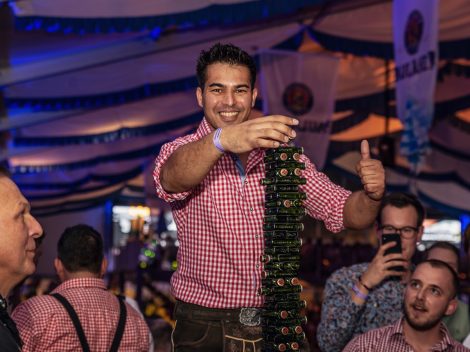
416	58
302	85
92	92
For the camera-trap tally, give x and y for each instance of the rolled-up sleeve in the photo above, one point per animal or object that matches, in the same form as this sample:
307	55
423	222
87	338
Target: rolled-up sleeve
165	152
325	200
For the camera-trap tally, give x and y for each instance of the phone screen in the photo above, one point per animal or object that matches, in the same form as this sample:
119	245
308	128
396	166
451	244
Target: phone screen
394	237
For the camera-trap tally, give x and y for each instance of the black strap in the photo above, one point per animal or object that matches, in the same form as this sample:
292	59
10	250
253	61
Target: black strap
76	322
121	325
78	327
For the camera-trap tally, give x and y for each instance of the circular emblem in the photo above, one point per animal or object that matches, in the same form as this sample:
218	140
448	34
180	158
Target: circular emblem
413	32
297	98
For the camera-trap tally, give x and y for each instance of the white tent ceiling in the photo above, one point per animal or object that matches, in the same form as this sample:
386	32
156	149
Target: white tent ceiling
87	112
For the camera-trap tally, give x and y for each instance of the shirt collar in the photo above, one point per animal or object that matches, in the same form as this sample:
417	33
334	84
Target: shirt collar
446	340
80	283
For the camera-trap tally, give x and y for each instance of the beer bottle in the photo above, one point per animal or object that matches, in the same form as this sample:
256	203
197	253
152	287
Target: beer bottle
281	235
278	282
268	291
282	188
282	266
279	329
285	149
280	338
287	305
283	203
283	172
281	250
275	274
283	218
283	226
269	241
267	258
296	211
283	297
293	180
285	195
274	347
285	164
294	346
281	314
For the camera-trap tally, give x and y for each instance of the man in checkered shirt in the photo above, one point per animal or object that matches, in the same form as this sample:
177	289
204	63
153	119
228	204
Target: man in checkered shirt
211	178
46	325
429	296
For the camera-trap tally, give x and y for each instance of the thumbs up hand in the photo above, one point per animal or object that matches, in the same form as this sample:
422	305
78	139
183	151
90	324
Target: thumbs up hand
372	173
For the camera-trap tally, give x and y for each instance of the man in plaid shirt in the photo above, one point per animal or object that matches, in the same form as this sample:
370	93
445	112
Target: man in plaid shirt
429	296
46	325
211	178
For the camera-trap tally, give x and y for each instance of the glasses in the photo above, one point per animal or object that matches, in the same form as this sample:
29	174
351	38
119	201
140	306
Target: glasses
405	232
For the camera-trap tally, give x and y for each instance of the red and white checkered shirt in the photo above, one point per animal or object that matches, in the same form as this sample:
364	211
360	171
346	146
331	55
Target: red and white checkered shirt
220	226
45	325
391	338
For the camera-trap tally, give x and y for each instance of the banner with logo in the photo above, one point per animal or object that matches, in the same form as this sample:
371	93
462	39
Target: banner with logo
301	85
415	26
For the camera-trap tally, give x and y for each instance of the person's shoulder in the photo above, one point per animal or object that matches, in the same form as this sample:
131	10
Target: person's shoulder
38	309
38	303
348	272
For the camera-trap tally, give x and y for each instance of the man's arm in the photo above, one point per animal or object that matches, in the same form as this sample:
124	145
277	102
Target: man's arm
361	208
190	164
339	314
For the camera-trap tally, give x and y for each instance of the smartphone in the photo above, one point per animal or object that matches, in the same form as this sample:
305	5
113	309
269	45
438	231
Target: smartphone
393	237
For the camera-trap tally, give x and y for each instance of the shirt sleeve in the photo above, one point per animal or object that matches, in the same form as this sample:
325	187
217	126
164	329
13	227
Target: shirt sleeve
165	152
339	315
325	200
25	324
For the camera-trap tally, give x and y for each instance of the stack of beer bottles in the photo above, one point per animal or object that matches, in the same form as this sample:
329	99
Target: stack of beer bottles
282	313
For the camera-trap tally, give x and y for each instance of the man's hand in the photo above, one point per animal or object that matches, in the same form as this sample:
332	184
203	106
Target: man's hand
372	173
379	269
261	132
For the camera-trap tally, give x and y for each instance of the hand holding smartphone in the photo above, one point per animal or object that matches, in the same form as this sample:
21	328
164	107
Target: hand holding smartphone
393	237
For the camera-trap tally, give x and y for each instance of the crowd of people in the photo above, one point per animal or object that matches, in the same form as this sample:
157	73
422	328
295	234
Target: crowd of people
211	179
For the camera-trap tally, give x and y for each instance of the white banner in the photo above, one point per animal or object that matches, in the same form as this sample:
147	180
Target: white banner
303	86
416	57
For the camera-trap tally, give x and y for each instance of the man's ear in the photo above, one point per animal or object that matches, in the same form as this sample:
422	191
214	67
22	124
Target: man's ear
420	234
199	97
59	268
254	94
452	307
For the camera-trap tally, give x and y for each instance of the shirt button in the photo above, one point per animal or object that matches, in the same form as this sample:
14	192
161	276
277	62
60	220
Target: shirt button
257	265
256	236
251	209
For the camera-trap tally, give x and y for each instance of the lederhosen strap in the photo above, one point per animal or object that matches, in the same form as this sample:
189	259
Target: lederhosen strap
78	326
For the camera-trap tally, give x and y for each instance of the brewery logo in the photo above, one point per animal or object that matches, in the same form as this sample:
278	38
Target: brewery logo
297	98
413	32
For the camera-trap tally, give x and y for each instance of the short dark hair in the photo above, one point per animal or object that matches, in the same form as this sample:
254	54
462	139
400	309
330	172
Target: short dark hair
443	245
80	248
227	54
436	263
4	172
402	200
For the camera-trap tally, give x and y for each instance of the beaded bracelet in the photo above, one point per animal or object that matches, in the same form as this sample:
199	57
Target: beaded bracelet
358	293
216	140
362	283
